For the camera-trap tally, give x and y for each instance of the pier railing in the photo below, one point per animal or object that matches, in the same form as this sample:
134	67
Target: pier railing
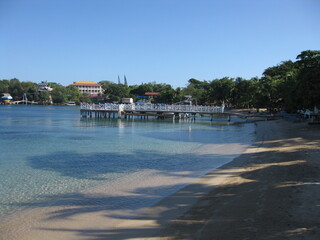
153	108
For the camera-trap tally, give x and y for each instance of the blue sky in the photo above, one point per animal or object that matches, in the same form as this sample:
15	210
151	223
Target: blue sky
166	41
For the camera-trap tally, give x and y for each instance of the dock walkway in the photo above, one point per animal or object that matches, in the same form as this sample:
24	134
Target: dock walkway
108	110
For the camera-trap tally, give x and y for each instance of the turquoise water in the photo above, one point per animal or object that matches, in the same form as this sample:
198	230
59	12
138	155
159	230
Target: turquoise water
48	151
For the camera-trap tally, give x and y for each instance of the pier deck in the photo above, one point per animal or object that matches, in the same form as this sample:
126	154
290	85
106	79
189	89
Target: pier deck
109	110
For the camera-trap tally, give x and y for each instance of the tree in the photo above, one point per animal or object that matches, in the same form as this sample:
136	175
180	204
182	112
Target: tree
4	86
167	94
278	86
288	85
243	93
198	90
141	89
15	89
267	94
178	96
221	90
85	97
309	59
31	89
73	94
44	97
59	94
105	84
115	92
308	85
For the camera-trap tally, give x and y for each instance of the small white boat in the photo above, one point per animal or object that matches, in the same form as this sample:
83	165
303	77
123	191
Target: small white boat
71	103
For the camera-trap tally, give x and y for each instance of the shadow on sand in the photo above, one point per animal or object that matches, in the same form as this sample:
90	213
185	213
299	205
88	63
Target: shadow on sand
261	199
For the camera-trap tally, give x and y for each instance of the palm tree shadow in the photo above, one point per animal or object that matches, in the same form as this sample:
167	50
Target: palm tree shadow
238	208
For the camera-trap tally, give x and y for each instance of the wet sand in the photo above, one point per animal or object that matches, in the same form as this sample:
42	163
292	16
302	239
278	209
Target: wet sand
272	191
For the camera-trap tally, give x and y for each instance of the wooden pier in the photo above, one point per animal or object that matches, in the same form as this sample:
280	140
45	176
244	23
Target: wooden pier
110	110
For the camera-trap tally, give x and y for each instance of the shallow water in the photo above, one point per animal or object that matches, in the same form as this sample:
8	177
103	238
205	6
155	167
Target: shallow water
49	151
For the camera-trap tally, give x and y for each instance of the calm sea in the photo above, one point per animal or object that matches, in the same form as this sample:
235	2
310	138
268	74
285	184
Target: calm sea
48	151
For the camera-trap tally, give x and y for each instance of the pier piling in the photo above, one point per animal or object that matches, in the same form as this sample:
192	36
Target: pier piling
144	111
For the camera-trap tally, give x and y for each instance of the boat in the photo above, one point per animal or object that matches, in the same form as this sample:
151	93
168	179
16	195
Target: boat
71	103
6	99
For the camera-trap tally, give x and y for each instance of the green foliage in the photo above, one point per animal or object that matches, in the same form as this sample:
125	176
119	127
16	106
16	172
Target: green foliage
221	90
288	85
309	59
59	94
167	94
4	86
198	90
141	89
44	98
73	94
308	84
115	92
17	89
85	98
244	93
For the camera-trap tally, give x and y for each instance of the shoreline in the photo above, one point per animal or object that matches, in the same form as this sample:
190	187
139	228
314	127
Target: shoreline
270	191
93	208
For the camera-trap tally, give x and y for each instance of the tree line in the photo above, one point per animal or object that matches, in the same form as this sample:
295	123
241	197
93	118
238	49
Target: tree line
288	86
59	94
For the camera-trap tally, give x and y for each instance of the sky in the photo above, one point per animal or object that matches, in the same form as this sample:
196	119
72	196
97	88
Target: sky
162	41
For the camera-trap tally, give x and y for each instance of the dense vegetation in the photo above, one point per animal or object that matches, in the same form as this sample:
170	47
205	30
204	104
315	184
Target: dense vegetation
288	85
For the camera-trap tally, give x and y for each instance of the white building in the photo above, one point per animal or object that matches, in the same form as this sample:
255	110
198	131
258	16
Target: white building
88	87
43	86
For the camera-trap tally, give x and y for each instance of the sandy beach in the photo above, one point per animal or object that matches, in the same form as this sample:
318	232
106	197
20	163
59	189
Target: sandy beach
272	191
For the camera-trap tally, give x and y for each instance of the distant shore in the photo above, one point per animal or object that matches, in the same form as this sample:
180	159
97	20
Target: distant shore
271	191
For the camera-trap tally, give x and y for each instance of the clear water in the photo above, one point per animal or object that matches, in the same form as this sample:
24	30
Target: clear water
47	151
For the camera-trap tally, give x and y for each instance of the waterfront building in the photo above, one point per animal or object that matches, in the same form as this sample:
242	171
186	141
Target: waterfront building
44	86
89	87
